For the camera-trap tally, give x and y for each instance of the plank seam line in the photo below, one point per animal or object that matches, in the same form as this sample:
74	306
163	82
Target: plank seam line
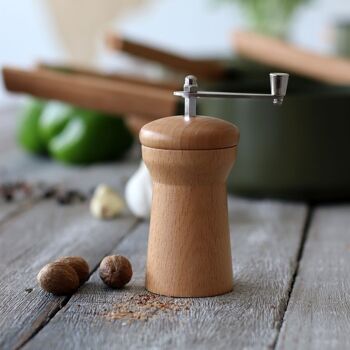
306	229
65	300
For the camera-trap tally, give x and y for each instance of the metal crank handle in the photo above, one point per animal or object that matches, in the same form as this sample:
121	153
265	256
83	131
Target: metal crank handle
278	83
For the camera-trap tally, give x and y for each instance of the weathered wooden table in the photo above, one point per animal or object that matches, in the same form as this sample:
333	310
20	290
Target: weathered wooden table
291	269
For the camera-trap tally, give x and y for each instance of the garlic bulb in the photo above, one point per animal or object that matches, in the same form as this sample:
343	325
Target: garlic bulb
138	192
106	203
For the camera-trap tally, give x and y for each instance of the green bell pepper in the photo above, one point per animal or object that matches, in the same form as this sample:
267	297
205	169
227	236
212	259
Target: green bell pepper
74	135
53	119
28	132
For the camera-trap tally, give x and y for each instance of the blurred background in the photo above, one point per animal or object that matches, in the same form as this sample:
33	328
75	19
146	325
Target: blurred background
297	138
60	29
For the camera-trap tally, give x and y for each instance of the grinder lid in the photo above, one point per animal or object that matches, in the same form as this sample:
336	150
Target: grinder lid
195	133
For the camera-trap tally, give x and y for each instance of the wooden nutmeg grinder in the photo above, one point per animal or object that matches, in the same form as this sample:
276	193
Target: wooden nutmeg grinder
189	158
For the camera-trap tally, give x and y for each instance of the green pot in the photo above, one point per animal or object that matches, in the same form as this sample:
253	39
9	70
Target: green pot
342	38
300	150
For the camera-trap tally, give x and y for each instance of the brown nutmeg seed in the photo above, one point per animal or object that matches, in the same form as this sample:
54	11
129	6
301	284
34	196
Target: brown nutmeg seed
80	266
58	278
115	271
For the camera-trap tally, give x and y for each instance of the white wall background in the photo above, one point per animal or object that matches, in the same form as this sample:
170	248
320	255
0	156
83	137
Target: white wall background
191	27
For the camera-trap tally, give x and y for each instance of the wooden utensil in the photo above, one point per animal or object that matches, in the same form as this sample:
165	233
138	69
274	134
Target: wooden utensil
114	97
89	72
189	158
189	252
274	52
208	69
136	121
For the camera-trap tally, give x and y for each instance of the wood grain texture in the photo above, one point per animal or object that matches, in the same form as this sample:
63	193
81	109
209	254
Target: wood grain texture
189	252
114	97
33	233
202	68
265	240
30	240
318	314
198	133
292	59
91	72
41	235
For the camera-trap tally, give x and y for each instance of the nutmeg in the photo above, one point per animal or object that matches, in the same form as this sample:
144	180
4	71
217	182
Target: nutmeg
80	266
58	278
115	271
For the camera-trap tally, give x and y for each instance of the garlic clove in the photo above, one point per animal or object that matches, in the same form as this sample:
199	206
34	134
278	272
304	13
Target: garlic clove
106	203
138	192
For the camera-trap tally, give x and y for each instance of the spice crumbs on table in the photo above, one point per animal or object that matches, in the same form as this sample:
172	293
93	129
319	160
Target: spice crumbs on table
21	190
145	306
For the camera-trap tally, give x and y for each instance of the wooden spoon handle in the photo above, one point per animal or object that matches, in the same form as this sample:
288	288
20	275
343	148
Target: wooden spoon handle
202	68
136	122
279	54
86	71
92	93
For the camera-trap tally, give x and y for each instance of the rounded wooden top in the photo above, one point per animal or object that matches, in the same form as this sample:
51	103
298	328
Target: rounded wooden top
198	133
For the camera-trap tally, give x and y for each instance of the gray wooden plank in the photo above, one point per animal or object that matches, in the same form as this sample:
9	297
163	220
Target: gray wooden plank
8	210
265	238
41	235
34	170
8	119
318	314
18	165
29	239
36	236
